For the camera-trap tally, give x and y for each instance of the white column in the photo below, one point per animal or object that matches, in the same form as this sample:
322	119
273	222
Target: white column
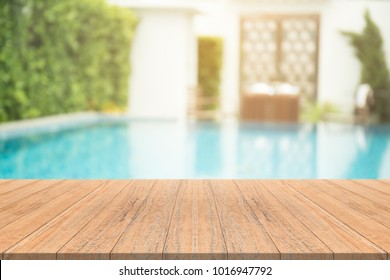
163	63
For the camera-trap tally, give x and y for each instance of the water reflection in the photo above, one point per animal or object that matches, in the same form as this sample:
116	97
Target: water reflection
82	153
207	151
276	152
371	148
353	152
142	149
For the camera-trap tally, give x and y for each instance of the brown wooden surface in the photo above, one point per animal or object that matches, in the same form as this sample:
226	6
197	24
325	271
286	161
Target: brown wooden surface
18	204
9	185
145	235
195	213
293	239
97	239
268	108
23	226
382	186
194	219
50	238
27	190
362	224
245	236
341	239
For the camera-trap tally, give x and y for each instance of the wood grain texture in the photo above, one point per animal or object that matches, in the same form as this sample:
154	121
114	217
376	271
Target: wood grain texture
33	201
364	191
194	219
372	230
25	225
10	185
382	186
195	231
352	200
99	236
292	238
245	236
145	235
26	190
345	243
45	242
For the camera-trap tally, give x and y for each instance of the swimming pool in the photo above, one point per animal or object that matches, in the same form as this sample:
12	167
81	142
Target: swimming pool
165	149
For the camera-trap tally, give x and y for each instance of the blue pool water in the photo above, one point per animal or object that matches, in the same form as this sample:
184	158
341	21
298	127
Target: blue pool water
146	149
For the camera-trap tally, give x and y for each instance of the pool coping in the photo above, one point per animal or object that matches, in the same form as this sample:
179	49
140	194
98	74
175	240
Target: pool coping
56	123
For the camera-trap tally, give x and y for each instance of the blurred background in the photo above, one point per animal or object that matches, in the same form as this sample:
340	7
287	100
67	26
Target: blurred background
194	89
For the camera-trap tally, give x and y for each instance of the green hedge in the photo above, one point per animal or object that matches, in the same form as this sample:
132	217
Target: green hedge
210	51
59	56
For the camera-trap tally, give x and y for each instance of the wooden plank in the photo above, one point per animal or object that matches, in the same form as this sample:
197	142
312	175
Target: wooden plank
341	239
24	190
354	201
45	242
145	235
245	236
49	191
195	231
292	238
11	185
369	228
383	186
99	236
25	225
364	191
190	219
7	185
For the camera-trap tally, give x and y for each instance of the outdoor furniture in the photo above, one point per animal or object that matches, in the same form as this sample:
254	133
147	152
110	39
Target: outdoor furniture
364	99
270	108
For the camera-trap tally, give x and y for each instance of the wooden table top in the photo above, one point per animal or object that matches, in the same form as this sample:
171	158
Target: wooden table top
194	219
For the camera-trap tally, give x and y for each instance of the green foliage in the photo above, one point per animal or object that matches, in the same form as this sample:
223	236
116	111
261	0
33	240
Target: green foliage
369	50
209	68
316	112
63	56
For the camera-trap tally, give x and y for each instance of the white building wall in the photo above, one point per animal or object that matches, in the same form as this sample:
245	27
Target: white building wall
163	63
339	70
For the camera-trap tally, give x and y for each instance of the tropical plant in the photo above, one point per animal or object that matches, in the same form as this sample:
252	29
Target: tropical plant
369	50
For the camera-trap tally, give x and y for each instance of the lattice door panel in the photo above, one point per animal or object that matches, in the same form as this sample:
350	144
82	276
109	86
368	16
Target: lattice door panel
280	48
259	51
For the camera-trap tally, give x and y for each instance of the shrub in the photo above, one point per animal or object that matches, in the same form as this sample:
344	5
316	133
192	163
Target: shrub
314	112
369	50
63	56
209	67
